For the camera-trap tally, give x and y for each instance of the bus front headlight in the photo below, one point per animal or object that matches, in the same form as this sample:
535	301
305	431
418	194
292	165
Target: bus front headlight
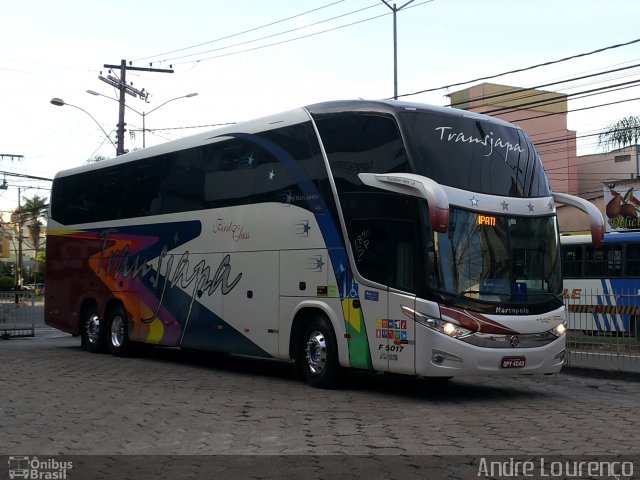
448	328
454	330
560	329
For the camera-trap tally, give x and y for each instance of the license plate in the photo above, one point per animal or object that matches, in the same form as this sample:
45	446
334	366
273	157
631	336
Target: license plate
513	362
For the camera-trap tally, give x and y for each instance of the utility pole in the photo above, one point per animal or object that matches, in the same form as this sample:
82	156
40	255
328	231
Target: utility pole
11	156
19	266
121	84
395	10
3	185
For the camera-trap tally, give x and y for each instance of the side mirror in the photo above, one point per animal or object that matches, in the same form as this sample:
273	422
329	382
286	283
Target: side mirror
417	186
596	220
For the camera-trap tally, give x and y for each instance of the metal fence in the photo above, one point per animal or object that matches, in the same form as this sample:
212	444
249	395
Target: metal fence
603	330
16	316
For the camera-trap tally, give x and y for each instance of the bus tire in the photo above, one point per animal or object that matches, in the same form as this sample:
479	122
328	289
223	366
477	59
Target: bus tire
118	332
93	331
319	354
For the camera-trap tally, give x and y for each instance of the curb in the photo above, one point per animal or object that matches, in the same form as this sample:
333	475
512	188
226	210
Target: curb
601	374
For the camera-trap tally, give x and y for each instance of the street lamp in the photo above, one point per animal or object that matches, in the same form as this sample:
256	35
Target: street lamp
144	114
58	102
395	10
188	95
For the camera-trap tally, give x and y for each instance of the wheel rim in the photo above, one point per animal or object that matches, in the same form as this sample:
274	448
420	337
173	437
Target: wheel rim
117	331
93	329
316	353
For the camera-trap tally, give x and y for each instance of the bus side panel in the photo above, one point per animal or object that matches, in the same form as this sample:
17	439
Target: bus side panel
70	278
252	307
220	308
304	273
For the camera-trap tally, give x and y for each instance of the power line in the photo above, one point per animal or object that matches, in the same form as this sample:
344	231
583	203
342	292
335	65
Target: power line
296	38
240	33
529	94
24	175
562	97
524	69
269	36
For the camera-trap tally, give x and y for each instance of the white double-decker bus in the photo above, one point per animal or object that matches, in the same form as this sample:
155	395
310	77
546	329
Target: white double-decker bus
383	236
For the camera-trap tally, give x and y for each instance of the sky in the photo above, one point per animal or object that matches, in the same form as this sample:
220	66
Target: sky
249	58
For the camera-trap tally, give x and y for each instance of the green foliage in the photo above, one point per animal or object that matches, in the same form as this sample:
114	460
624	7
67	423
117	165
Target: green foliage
6	269
31	212
7	283
622	133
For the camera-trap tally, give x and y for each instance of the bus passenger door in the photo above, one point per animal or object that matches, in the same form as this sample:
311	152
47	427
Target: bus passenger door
384	252
386	239
400	347
391	333
367	327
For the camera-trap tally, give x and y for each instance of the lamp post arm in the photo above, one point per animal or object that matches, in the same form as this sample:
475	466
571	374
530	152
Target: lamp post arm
58	102
97	123
163	104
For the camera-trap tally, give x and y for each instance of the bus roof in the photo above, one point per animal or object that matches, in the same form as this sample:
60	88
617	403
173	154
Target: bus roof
289	117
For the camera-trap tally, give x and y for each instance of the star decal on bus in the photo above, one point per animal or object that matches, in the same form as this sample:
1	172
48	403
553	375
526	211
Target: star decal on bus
288	197
505	205
530	207
303	228
474	201
316	263
271	176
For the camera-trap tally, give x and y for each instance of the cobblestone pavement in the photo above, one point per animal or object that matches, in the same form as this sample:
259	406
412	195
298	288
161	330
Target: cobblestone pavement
56	398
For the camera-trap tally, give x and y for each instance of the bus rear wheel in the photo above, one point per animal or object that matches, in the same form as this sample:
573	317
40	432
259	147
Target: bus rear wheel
92	331
319	354
118	332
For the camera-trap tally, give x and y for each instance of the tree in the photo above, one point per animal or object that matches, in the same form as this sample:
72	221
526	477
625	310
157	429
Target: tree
622	133
33	210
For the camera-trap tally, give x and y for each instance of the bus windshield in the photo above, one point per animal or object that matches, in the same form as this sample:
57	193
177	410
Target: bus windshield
489	157
497	259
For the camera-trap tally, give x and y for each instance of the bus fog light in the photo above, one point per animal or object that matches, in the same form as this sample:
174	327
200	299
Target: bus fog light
439	357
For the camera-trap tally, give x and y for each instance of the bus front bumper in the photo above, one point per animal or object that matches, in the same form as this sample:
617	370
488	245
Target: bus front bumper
444	356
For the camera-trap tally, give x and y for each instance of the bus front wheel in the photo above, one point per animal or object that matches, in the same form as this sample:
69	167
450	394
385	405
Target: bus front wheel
118	332
319	354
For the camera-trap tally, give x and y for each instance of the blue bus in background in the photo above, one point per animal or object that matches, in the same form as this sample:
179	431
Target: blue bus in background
601	285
